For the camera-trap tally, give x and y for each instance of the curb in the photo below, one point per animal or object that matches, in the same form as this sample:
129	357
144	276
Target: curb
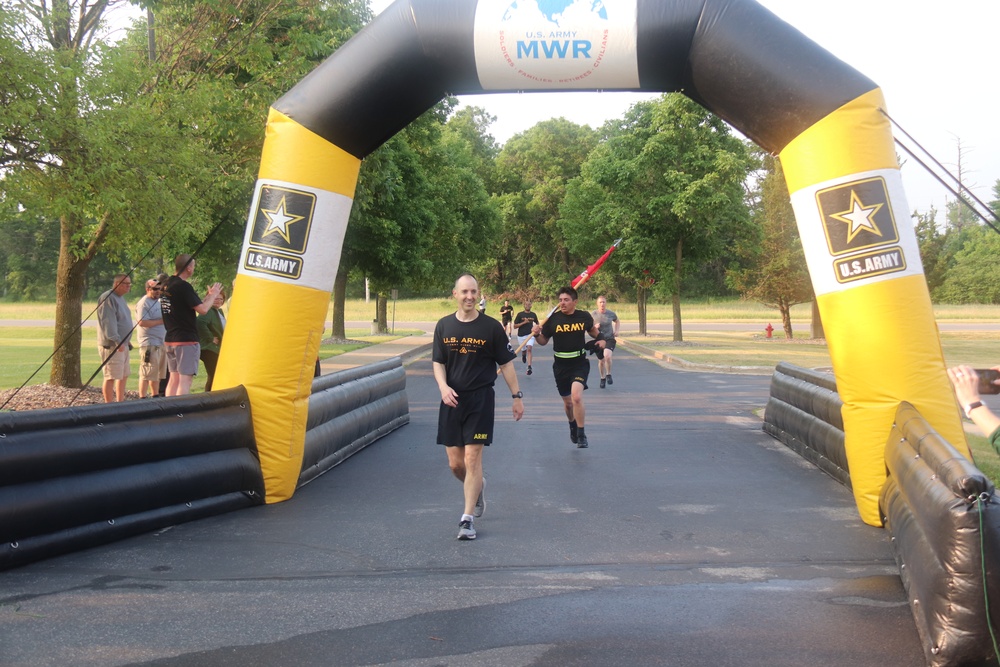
683	365
416	353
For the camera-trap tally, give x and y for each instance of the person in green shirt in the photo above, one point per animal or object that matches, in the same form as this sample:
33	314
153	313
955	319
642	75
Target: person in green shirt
210	328
966	383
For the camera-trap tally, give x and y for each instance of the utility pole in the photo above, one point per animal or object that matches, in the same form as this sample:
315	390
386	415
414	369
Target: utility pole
151	34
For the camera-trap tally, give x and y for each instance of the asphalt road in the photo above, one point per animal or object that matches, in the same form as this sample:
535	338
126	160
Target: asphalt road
683	536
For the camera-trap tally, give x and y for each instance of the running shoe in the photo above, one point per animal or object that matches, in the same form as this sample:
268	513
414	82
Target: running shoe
529	370
581	441
466	531
480	502
610	381
572	432
602	383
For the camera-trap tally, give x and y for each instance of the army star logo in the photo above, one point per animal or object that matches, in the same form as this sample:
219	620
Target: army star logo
858	217
278	220
282	219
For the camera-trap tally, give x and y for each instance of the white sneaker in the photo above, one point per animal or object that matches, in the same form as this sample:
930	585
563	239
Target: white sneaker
466	531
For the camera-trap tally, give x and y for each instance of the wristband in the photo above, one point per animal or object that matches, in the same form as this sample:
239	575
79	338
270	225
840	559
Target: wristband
972	406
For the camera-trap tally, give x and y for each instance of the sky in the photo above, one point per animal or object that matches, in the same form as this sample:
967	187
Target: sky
934	61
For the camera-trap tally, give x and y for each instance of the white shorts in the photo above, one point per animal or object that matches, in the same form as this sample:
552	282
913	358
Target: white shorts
529	338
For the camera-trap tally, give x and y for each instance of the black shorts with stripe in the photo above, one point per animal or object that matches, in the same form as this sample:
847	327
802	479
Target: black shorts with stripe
568	371
470	422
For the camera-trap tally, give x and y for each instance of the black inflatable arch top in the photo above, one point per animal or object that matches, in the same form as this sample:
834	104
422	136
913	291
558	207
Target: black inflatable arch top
734	57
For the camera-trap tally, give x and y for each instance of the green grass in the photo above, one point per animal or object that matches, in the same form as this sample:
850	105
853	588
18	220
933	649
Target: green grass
976	348
24	350
985	456
739	349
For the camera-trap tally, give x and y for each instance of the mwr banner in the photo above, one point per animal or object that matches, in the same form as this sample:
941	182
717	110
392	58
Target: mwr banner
531	45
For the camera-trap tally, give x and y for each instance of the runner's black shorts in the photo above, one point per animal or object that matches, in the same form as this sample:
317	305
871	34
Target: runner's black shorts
470	422
568	371
609	343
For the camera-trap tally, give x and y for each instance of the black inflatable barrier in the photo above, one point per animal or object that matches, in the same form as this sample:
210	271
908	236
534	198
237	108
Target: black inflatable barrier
350	410
73	478
803	411
942	514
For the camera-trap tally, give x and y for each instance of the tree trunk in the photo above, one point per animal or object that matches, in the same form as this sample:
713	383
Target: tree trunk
381	308
676	292
641	293
816	326
339	296
786	320
71	274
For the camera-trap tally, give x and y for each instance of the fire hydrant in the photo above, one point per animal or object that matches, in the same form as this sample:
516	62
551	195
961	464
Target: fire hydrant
768	329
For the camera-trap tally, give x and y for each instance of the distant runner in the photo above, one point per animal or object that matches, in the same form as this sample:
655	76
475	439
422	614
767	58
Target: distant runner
607	321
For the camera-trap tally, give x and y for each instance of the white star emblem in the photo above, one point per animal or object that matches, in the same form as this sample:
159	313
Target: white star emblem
279	220
858	217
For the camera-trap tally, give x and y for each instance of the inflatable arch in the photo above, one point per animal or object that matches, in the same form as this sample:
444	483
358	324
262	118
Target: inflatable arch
734	57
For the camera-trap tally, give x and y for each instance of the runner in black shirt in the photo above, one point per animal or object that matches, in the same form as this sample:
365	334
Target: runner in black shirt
523	322
468	347
567	328
506	311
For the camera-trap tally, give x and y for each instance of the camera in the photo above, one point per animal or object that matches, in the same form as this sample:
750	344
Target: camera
986	379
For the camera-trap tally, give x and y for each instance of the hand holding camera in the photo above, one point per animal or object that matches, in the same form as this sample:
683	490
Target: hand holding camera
988	380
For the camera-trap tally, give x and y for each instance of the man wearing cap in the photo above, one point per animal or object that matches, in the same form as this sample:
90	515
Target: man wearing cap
114	333
181	306
152	353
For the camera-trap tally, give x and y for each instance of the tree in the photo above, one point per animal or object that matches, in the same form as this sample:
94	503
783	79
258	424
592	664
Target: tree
29	248
533	170
777	275
974	278
84	146
669	179
421	213
122	151
931	241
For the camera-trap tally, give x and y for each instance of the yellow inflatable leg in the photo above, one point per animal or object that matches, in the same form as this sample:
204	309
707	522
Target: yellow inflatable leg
865	266
294	236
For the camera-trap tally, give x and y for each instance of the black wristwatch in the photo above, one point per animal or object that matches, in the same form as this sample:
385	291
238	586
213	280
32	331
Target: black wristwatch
519	394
